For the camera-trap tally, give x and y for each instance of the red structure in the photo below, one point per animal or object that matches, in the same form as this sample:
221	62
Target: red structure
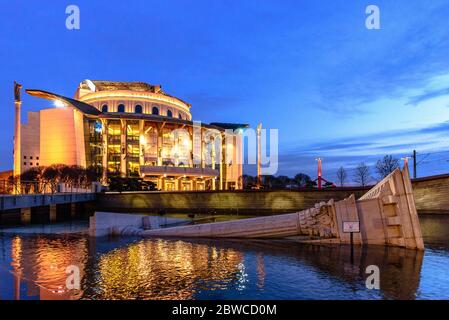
320	178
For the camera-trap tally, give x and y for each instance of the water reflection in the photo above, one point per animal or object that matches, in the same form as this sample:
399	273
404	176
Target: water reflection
169	269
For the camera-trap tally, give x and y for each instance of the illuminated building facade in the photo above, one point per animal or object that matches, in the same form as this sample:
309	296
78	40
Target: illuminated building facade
133	129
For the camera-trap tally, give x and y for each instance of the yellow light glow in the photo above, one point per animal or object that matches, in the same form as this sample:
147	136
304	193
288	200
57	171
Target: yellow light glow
59	104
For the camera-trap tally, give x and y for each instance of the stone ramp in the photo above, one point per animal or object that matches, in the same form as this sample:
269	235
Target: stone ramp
386	214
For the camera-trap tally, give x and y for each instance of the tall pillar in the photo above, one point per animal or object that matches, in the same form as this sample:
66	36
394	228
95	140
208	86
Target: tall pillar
214	180
17	129
105	151
123	147
159	145
222	162
141	143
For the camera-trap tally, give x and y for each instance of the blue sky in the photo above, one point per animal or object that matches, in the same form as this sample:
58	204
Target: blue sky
308	68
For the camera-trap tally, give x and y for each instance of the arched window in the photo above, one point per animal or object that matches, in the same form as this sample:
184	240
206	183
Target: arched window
180	116
138	109
121	108
155	111
104	108
169	113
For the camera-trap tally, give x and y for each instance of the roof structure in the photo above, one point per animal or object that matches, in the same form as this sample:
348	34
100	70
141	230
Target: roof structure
233	126
105	85
82	106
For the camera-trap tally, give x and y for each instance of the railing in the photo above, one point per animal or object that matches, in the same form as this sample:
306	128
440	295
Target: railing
188	171
8	187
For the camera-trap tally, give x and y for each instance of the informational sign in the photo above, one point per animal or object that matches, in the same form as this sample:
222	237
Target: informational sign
351	226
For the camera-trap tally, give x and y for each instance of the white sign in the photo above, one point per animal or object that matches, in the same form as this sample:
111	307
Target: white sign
351	226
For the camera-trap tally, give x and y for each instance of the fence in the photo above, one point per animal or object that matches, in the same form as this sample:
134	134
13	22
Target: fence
34	187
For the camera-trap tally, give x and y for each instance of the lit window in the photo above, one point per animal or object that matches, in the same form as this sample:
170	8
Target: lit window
155	111
169	113
104	108
121	108
138	109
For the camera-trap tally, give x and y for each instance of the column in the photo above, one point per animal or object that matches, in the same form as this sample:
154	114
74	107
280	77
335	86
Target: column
105	151
214	180
159	145
142	143
17	130
222	161
123	150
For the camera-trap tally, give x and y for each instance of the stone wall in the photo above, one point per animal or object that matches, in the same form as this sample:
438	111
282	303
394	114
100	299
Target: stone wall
234	202
432	194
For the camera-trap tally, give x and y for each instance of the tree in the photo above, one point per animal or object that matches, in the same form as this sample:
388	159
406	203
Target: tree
341	176
280	182
248	181
386	166
302	180
361	175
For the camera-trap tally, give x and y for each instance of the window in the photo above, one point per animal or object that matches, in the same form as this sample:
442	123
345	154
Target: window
24	163
138	109
31	163
155	111
104	108
37	164
121	108
37	158
31	157
169	113
180	116
24	157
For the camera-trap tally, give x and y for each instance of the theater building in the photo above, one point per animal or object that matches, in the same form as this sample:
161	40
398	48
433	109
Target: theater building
130	129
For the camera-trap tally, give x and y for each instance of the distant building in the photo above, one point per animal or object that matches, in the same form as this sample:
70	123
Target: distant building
132	129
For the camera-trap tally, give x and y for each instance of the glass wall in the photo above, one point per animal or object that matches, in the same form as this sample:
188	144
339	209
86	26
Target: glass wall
149	144
114	152
132	152
94	143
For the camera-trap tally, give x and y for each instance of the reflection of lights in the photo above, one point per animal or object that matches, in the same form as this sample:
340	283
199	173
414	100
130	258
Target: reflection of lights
59	104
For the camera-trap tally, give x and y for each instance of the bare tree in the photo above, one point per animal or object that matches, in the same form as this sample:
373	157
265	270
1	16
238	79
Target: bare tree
361	175
386	166
341	176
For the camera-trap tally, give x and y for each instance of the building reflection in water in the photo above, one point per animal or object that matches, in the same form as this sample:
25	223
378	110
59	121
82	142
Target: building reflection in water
170	269
41	264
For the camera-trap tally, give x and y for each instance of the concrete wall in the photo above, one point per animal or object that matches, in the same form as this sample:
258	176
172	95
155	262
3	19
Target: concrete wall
431	196
62	137
30	143
241	202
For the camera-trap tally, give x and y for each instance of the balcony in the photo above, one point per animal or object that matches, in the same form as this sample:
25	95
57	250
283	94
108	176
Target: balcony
178	171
